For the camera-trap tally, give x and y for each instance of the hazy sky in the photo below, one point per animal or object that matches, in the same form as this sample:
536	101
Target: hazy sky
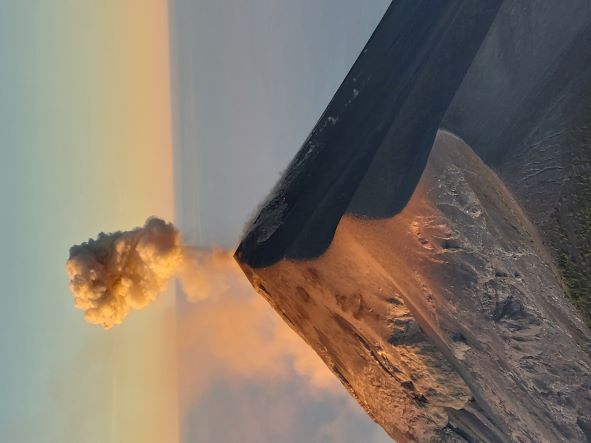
250	80
86	144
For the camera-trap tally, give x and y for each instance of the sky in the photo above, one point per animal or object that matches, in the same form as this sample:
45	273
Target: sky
85	140
116	110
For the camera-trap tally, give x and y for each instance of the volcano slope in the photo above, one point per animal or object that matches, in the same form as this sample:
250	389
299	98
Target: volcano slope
445	321
525	108
431	287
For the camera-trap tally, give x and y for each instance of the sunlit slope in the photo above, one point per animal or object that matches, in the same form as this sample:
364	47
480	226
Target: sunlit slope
445	321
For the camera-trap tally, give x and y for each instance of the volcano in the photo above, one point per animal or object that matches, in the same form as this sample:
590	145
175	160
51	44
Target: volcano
430	241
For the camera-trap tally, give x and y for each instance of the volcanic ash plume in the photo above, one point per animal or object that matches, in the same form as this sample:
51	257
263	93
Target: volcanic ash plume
122	271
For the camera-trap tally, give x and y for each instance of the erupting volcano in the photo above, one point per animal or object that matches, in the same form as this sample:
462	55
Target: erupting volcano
434	270
430	241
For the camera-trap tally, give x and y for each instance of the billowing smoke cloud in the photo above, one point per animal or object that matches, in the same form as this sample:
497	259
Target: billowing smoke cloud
123	271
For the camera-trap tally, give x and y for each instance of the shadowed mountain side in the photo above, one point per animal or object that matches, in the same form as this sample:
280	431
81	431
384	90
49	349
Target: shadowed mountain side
525	108
524	57
443	321
376	132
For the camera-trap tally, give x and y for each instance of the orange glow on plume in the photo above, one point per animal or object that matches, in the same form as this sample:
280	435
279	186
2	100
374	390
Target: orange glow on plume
124	271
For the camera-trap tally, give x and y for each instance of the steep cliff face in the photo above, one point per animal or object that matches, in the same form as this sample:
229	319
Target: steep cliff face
446	322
